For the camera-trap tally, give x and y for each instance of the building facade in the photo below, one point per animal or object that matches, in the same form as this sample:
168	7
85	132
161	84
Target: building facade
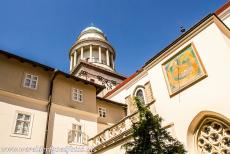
187	84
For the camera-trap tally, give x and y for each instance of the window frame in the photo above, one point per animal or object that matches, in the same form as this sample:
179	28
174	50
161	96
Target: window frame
76	138
102	109
28	136
143	91
76	92
31	79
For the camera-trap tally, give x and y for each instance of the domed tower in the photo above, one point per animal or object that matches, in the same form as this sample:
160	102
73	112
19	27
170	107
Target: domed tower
92	58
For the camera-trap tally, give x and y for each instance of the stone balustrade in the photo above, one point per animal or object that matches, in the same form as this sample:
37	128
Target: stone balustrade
114	133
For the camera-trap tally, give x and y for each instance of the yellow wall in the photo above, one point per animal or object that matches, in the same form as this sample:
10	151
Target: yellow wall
62	94
12	77
114	114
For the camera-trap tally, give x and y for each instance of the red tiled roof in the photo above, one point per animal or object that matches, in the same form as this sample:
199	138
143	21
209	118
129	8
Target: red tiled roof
123	83
222	8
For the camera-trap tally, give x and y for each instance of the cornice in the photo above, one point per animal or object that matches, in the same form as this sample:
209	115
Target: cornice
98	68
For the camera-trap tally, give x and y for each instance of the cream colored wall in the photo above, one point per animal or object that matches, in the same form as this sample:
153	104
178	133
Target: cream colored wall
114	114
7	119
209	94
63	120
14	97
62	94
12	77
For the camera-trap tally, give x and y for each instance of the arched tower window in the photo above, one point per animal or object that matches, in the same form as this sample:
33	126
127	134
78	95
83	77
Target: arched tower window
140	94
213	137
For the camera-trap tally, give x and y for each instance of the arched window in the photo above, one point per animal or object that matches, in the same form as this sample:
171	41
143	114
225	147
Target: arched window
140	94
213	137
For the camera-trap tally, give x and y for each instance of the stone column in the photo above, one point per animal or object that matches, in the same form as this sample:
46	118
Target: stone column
82	52
112	61
71	63
90	53
107	57
75	59
99	54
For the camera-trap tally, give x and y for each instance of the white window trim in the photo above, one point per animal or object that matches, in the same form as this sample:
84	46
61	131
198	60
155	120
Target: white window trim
143	90
82	135
73	91
102	109
24	81
28	136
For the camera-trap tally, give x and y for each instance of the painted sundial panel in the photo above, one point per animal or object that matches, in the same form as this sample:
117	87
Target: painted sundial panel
183	69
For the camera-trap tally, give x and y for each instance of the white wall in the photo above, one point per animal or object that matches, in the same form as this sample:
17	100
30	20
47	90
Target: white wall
62	124
209	94
129	89
7	119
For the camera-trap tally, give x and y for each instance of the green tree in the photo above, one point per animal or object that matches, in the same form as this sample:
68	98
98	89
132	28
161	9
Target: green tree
149	137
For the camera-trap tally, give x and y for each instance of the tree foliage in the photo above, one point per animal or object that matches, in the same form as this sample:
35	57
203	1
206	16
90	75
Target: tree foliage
149	137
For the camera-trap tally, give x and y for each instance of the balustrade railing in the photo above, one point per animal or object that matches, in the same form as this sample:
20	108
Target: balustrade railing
114	131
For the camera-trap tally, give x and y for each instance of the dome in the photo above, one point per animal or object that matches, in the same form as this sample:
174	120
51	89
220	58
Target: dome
92	28
91	32
93	47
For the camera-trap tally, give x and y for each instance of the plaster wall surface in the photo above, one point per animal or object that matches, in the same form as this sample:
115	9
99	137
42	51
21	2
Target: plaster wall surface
209	94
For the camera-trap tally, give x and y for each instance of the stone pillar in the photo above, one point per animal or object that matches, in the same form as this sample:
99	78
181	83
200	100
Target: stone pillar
90	53
75	59
112	61
82	52
71	63
99	54
107	57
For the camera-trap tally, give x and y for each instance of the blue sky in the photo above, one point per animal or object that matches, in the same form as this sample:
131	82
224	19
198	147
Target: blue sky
44	30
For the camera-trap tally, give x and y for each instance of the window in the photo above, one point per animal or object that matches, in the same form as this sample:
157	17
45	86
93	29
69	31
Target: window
30	81
102	112
77	95
140	94
22	124
76	136
213	137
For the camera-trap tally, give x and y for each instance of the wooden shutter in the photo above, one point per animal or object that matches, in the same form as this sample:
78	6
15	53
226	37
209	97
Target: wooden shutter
131	106
148	93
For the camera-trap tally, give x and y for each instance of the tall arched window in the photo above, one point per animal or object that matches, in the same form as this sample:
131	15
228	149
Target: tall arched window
140	94
213	137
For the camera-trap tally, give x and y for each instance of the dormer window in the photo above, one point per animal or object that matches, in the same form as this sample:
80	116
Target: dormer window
77	95
30	81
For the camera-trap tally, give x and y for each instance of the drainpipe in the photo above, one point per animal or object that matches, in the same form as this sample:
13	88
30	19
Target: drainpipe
48	110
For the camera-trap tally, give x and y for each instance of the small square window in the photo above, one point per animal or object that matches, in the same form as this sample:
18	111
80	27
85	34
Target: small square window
22	125
77	95
30	81
102	112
